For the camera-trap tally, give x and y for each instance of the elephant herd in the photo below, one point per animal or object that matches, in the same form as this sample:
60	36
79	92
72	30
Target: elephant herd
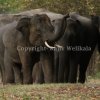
40	46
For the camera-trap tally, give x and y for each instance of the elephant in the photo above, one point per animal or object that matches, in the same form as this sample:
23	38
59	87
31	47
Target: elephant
79	40
12	61
15	60
37	74
9	18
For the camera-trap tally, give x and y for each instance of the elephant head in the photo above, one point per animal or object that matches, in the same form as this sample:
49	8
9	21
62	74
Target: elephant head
38	28
67	26
72	31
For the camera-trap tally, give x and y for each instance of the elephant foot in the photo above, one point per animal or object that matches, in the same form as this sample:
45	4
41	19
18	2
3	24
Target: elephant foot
81	81
82	78
18	81
72	81
48	80
61	80
55	81
27	81
9	81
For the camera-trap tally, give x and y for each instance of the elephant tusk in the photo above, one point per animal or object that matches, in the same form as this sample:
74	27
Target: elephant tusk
51	47
59	46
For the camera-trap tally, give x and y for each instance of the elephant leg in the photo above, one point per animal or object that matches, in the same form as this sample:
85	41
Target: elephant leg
37	74
1	76
66	73
34	72
27	75
40	76
9	73
3	73
82	73
27	66
73	69
47	66
56	67
17	73
83	67
48	78
2	69
62	65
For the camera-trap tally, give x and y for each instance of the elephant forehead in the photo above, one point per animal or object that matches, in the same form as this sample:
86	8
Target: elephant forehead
40	18
34	21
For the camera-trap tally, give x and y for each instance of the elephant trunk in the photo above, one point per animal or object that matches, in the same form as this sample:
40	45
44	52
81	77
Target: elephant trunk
58	34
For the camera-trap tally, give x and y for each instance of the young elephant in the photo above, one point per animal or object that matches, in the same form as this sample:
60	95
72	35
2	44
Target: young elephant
16	39
38	76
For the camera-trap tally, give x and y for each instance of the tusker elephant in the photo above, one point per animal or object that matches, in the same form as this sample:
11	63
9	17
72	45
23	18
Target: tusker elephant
79	40
18	52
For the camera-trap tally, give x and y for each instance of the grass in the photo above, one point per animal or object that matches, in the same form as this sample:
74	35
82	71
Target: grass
97	75
88	91
61	6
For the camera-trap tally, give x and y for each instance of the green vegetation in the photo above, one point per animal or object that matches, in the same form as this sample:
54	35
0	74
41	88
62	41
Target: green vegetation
86	91
97	75
61	6
13	5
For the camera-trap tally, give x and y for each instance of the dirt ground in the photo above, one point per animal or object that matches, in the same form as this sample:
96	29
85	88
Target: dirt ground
88	91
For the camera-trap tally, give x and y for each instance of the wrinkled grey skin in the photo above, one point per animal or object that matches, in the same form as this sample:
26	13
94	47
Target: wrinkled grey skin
27	32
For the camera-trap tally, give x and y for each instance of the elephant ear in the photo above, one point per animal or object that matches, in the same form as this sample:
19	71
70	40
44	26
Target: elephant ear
23	24
78	22
78	25
95	20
